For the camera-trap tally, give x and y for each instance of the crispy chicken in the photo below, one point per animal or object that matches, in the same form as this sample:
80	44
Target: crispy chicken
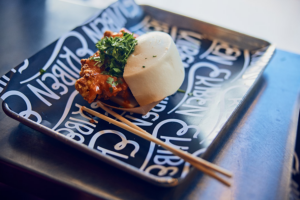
93	85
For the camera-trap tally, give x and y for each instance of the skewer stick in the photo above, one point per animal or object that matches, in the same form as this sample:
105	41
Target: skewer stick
119	117
196	159
198	163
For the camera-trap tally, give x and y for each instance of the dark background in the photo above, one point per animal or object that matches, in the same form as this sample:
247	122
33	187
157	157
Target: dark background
27	26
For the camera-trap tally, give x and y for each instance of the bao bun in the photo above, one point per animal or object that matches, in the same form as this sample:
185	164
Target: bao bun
154	70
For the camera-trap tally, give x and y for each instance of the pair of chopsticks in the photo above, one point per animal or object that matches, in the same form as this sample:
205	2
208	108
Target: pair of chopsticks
199	163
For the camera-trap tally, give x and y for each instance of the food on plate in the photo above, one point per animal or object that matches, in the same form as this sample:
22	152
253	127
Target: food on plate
154	70
131	71
101	74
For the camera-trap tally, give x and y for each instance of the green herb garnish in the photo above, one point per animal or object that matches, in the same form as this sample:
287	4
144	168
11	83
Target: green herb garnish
143	66
42	71
112	82
180	90
114	53
183	91
154	56
97	59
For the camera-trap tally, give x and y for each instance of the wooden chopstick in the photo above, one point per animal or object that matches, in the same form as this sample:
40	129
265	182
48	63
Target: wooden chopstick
202	161
197	162
119	117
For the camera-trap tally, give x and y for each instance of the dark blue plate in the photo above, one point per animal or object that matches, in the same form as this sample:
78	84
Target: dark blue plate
222	67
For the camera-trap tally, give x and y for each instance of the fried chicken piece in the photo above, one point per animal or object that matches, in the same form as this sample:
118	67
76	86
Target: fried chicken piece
93	84
115	34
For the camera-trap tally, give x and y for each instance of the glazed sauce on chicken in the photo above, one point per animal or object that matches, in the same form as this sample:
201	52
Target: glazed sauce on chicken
93	85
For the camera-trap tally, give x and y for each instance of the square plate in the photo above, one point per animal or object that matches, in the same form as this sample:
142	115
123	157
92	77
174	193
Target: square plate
222	67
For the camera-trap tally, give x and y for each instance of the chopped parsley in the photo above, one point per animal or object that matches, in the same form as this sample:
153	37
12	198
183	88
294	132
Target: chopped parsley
180	90
97	59
114	52
42	71
154	56
144	66
183	91
112	82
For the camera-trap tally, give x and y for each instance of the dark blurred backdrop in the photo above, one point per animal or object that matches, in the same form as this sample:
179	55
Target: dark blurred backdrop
27	26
